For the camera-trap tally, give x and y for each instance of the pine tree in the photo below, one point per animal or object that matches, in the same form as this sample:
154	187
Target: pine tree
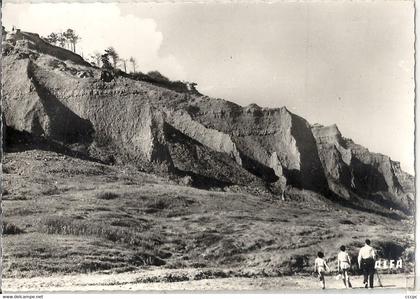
113	54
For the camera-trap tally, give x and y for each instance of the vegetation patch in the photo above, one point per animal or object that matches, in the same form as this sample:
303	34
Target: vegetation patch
211	274
11	229
14	197
106	195
171	277
50	191
71	226
345	221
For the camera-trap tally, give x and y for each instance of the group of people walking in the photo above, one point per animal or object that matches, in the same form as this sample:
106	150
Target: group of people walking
366	262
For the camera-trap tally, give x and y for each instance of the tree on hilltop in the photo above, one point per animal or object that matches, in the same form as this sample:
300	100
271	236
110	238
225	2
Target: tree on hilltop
72	38
67	39
52	38
113	54
124	63
108	73
105	61
96	58
133	63
61	40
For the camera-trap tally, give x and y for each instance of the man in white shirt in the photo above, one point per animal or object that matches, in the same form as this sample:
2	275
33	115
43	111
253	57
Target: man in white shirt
366	261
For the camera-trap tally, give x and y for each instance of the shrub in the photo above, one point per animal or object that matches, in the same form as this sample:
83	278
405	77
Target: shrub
11	229
139	76
141	259
390	250
50	191
158	204
175	277
210	274
54	63
158	77
107	195
92	266
296	264
345	221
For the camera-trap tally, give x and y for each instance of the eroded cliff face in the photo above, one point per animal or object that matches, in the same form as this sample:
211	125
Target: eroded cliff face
123	121
64	109
28	106
216	140
273	143
52	93
352	170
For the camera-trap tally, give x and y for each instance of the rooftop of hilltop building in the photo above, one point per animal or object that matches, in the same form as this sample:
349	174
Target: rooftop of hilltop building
12	35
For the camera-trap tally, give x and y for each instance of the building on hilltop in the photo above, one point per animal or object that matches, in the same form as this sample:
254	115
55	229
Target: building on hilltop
13	35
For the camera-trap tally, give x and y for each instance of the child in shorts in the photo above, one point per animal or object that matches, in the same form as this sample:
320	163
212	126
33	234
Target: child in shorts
344	262
321	267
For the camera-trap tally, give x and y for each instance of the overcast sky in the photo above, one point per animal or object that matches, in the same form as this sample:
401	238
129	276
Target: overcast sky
348	63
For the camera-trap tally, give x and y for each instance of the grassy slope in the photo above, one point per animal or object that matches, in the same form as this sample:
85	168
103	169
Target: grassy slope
78	216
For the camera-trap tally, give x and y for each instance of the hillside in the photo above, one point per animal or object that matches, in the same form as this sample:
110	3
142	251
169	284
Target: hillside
64	215
125	174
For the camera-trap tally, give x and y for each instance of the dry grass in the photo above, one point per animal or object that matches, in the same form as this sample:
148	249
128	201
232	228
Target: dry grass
155	222
68	226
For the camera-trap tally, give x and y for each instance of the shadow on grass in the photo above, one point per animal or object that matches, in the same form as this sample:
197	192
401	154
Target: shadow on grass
360	206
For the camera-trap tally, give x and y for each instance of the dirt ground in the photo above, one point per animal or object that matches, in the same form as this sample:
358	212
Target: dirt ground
134	281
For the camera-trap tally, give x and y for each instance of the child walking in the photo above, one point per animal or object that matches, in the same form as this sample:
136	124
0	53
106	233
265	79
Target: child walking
321	267
344	266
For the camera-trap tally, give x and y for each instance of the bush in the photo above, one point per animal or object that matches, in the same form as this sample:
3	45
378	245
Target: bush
158	77
106	195
390	250
158	204
141	259
139	76
175	277
50	191
296	264
11	229
345	221
55	63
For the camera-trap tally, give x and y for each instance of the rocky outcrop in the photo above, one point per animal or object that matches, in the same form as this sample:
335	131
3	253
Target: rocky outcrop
37	101
352	170
260	133
207	167
28	106
211	138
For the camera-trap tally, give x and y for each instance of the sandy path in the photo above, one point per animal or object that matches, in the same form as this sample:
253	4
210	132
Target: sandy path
130	282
